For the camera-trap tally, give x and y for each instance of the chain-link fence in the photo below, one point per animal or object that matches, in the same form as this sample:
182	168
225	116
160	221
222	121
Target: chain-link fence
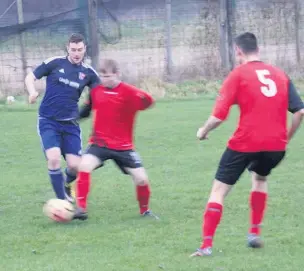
156	40
279	25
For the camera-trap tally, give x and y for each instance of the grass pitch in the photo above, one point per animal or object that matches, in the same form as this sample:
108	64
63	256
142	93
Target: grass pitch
181	170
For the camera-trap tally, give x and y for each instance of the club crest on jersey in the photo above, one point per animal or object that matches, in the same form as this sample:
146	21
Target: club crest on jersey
81	76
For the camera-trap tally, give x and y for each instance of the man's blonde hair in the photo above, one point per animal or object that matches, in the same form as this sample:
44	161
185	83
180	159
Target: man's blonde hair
109	66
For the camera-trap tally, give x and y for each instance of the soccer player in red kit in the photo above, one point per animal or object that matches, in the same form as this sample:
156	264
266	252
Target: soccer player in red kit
114	105
264	95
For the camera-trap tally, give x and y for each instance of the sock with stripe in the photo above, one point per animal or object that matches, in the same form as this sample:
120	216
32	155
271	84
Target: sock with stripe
257	202
57	180
212	218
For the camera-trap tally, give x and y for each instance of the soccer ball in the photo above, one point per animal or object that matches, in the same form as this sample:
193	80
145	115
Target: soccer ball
59	210
10	99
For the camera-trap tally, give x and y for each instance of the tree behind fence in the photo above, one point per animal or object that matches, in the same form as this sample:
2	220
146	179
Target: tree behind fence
172	40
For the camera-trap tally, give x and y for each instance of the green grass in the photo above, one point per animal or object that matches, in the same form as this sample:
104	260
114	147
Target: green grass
115	237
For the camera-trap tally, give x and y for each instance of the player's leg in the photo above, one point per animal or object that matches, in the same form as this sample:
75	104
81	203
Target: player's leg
130	163
71	170
71	147
260	168
93	158
71	174
143	189
231	167
50	137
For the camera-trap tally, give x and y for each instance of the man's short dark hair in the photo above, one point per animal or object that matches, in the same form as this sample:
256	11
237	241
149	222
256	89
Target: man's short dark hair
76	38
247	42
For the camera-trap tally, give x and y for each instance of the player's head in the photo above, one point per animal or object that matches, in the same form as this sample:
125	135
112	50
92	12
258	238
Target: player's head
109	73
76	48
246	47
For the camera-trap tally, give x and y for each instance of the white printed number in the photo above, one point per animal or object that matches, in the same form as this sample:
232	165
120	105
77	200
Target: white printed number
270	88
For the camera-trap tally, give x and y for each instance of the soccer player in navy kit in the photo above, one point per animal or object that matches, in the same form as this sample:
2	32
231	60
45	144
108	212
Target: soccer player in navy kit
66	78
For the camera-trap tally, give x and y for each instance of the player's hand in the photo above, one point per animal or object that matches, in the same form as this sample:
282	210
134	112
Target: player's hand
33	97
202	134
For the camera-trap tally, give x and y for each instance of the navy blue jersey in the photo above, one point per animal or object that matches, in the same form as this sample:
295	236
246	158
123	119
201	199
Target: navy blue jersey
64	84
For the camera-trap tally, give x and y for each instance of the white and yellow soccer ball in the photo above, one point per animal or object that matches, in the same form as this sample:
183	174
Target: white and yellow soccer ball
10	99
59	210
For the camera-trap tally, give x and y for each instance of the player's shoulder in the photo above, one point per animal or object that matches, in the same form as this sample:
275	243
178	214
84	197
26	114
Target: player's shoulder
275	72
275	69
89	68
55	59
128	87
233	74
241	69
96	89
261	65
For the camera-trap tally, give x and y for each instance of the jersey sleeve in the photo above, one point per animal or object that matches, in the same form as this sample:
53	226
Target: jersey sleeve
227	96
141	100
94	79
45	68
295	102
86	108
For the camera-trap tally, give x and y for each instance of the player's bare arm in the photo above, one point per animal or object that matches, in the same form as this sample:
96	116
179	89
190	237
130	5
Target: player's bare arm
225	100
296	107
210	124
295	123
30	85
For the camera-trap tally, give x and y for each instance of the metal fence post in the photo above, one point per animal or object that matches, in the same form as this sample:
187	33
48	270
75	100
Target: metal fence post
168	40
297	29
93	32
21	38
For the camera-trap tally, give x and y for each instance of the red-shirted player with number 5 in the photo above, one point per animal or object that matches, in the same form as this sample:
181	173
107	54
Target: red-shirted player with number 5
114	104
264	95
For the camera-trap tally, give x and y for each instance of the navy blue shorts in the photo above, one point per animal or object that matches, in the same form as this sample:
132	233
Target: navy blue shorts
65	135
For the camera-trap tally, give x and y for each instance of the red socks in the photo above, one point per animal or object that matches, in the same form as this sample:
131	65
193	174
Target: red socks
213	214
257	203
143	196
82	189
212	218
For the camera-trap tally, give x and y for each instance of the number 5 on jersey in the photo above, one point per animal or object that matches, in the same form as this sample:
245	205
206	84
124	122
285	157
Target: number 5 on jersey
270	88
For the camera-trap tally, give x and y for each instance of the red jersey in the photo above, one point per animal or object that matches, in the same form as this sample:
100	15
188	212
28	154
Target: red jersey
114	112
264	94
